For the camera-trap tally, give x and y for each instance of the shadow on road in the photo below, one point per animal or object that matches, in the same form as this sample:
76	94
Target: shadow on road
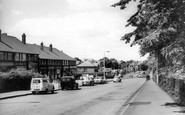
71	89
46	93
20	102
137	103
169	104
172	104
183	111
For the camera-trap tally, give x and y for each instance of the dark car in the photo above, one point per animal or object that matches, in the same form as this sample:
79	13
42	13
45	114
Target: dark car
68	82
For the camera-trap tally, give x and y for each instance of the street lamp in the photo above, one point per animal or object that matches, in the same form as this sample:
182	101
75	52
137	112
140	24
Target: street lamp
104	61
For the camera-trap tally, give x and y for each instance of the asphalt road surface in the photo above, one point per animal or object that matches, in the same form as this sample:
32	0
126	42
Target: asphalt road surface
105	99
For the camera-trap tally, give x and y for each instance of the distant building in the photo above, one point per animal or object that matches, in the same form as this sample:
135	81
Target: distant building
16	54
86	68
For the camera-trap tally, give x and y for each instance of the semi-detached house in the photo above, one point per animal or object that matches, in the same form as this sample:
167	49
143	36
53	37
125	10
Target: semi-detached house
16	54
53	62
45	60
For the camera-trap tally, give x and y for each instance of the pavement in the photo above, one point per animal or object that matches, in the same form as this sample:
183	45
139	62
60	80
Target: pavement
14	94
152	100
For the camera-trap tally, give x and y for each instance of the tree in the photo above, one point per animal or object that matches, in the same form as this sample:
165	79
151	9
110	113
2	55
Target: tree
160	29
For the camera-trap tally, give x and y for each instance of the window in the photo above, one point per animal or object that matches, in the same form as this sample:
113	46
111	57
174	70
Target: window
23	57
36	81
32	57
10	56
45	81
16	56
1	55
5	56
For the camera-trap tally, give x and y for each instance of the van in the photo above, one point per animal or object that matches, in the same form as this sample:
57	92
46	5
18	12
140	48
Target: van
41	85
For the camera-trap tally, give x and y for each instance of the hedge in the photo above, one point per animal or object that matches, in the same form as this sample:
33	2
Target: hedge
16	79
174	87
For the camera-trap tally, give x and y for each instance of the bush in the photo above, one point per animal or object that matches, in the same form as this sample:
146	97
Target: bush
16	79
174	87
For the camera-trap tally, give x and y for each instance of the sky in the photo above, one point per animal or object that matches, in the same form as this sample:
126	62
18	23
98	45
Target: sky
79	28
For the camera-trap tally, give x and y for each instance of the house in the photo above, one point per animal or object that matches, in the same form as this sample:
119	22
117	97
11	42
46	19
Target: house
15	54
86	68
39	58
53	62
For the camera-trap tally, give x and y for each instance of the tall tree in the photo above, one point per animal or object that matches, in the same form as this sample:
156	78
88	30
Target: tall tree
160	29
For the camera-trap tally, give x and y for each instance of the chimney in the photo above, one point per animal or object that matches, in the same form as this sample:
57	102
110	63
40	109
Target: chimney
23	38
51	47
42	46
0	35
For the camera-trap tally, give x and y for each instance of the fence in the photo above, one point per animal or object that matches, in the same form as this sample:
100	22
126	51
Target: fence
174	87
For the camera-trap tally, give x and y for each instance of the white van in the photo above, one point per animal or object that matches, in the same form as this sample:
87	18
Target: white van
39	85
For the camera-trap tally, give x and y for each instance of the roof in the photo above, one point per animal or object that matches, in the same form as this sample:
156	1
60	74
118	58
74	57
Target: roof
47	54
12	44
95	64
86	64
62	55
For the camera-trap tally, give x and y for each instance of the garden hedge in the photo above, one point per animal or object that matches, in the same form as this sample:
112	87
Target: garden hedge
16	79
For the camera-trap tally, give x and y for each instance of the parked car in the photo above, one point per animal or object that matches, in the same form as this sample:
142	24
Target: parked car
117	78
68	82
88	80
39	85
100	80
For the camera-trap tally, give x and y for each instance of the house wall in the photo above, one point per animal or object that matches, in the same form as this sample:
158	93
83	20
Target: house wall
82	70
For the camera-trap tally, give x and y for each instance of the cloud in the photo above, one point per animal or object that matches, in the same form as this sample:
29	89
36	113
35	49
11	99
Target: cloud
17	12
89	31
84	4
80	25
1	7
85	33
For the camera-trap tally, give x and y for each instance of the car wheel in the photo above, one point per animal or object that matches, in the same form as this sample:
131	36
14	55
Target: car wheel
53	90
76	86
33	92
46	91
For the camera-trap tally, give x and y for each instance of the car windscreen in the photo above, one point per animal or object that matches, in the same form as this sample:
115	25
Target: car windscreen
66	79
45	81
99	78
36	81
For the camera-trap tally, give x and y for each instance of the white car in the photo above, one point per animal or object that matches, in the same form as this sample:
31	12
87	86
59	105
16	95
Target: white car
87	81
117	78
100	80
39	85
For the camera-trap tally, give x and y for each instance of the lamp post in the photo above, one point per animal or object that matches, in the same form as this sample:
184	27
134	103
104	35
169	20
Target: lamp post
104	61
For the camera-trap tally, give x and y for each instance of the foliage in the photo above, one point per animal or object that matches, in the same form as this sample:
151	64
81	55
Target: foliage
109	63
143	67
160	29
19	74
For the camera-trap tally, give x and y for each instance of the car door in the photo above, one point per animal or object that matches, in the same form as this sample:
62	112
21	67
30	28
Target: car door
50	85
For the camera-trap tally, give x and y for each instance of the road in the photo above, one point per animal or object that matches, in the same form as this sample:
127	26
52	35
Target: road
105	99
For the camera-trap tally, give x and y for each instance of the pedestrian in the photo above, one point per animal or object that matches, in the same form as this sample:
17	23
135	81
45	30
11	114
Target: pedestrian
148	77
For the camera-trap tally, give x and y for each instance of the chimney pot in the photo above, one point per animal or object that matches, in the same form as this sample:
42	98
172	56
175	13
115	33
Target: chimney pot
51	47
42	46
23	38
